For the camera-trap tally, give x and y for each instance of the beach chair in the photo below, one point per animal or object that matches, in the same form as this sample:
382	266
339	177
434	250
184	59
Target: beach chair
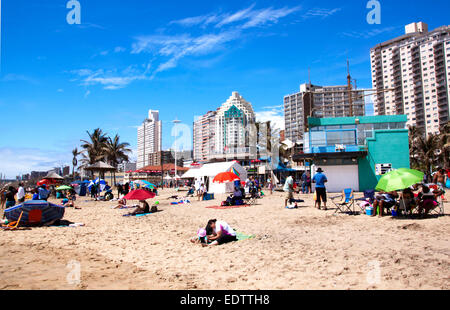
346	202
13	225
369	196
439	209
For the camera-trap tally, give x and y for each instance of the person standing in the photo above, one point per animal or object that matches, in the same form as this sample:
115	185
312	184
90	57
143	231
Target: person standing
10	197
304	178
289	189
270	185
321	192
21	193
43	193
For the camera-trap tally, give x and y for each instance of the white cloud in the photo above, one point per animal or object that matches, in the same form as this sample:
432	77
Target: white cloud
119	49
177	47
273	114
320	12
14	161
111	79
368	34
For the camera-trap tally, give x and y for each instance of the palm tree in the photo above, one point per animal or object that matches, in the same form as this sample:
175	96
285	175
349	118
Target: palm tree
93	150
116	152
443	143
75	154
425	153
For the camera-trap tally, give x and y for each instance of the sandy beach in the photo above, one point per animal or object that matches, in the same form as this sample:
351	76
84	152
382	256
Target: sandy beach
293	249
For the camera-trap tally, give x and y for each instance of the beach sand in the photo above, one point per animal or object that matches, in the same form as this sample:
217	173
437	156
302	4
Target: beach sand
293	249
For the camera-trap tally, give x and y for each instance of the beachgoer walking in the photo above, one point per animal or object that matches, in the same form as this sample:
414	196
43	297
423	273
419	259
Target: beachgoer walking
289	189
21	193
321	192
270	185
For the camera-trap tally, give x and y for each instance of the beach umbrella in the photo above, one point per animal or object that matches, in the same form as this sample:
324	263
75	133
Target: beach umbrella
139	194
63	188
35	212
225	177
143	183
399	179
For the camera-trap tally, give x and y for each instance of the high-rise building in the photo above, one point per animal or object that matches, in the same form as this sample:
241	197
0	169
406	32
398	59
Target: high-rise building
149	138
235	125
411	74
204	136
228	133
319	101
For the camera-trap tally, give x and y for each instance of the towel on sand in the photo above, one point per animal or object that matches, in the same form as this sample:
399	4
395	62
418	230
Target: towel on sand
227	207
138	215
241	236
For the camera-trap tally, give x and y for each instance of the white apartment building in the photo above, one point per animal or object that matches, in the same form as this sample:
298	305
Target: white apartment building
319	101
204	136
235	123
228	133
149	138
416	69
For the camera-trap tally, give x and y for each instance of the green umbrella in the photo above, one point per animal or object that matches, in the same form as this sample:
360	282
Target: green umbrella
63	188
399	179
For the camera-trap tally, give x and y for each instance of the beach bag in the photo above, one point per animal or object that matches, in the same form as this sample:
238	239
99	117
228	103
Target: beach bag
447	184
315	196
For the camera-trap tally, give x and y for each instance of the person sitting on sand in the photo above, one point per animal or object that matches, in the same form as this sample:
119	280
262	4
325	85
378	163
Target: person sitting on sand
144	208
384	201
407	199
221	233
236	196
201	237
122	204
69	203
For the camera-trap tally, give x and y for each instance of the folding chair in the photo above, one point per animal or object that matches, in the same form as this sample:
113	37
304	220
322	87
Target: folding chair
347	202
439	209
13	225
369	195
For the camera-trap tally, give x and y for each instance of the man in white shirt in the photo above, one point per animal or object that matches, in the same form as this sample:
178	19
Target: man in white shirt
289	189
21	193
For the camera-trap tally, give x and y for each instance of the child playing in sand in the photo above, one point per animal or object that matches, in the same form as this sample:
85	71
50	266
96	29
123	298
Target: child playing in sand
201	237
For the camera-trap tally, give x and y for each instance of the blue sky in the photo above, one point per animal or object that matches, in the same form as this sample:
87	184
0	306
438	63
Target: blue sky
180	57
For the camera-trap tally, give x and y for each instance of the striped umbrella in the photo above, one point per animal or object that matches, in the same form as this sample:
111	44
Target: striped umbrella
35	212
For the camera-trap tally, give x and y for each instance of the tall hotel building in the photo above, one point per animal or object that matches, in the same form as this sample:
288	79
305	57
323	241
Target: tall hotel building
149	139
204	136
318	101
416	67
226	134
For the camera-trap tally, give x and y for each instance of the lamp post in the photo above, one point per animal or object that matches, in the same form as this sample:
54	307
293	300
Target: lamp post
175	122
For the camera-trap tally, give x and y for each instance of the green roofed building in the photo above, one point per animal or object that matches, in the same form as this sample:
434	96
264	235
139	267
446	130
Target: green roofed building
355	152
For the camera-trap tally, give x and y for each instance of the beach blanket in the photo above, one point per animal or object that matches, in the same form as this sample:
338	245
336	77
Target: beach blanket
241	236
227	207
138	215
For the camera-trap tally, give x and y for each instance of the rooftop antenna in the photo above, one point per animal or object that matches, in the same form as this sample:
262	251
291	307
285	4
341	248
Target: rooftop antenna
309	76
349	85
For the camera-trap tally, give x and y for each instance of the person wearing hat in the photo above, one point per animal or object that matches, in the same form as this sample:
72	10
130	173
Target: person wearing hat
43	192
321	192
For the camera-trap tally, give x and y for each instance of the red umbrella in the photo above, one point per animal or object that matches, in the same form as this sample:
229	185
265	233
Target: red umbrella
139	194
225	177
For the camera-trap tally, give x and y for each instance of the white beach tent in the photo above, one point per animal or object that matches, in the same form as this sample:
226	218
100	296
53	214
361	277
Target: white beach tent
207	172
